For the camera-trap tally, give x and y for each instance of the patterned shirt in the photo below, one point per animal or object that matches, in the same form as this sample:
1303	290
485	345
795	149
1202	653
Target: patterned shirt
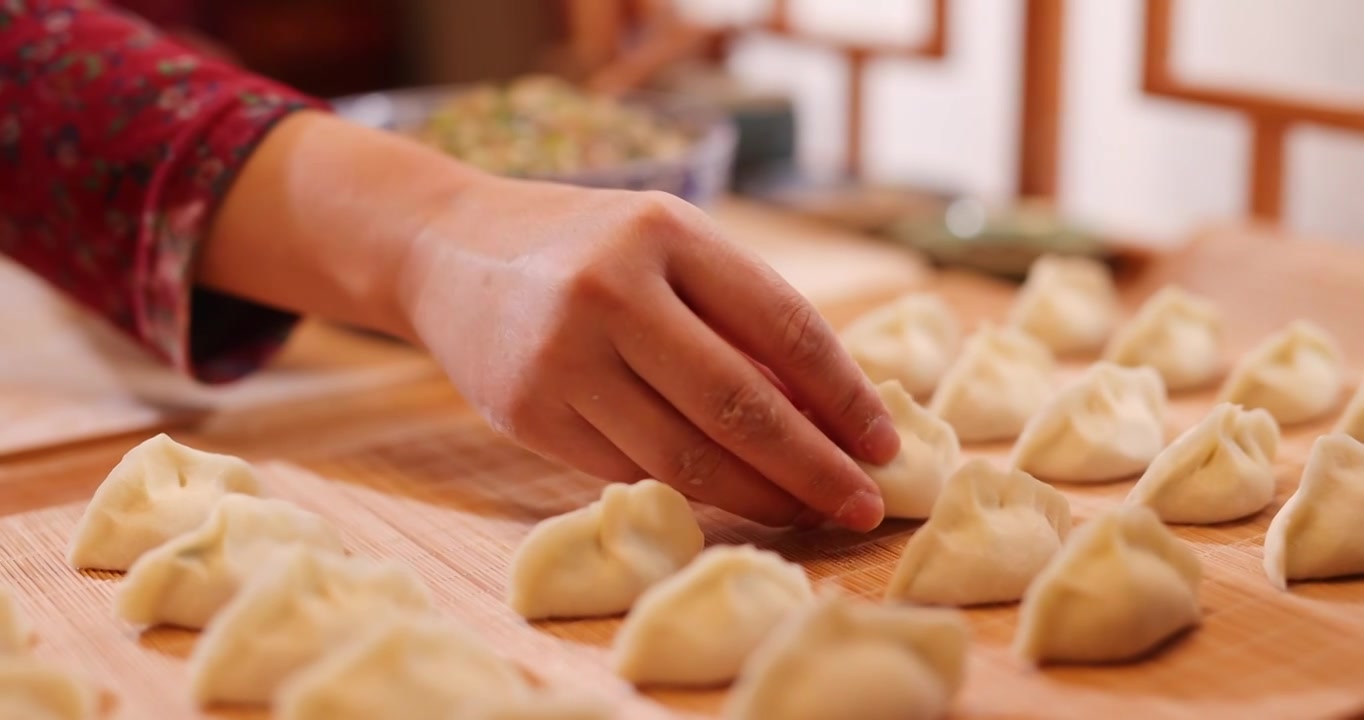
116	146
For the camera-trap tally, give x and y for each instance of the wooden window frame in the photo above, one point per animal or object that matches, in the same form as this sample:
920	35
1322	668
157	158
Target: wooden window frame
933	46
1270	116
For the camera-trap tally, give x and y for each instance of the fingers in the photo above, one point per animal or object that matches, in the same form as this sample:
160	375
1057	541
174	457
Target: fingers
667	445
725	396
749	304
581	446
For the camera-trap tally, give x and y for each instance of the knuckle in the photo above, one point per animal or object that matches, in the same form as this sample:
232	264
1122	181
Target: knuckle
657	216
697	464
594	285
658	206
805	343
519	416
747	414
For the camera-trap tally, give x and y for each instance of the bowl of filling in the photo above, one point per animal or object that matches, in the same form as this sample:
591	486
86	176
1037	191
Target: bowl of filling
543	128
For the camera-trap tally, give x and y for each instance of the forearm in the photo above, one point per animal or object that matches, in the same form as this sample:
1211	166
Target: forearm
322	217
116	146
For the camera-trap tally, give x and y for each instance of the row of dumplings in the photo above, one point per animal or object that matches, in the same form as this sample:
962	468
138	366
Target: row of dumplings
1002	375
290	619
1108	425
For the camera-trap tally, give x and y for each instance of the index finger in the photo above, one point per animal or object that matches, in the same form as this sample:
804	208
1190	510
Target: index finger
728	398
752	306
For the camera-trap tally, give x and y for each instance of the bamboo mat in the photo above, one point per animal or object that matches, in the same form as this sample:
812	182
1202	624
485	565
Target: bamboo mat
452	499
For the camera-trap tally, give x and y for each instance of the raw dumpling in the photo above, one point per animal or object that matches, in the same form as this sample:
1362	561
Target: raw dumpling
157	491
1352	422
1002	377
1219	470
189	578
16	634
1178	334
1069	303
1318	533
296	608
1107	425
414	668
911	340
848	659
32	690
1121	585
697	627
990	533
928	454
1296	375
597	560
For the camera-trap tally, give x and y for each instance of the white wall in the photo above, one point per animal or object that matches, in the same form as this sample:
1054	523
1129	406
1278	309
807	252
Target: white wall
1157	168
1307	48
1130	164
949	123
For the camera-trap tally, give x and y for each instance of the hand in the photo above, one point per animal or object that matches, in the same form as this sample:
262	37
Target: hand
613	331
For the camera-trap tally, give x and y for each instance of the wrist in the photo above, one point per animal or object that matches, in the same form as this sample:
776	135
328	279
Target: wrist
323	220
451	261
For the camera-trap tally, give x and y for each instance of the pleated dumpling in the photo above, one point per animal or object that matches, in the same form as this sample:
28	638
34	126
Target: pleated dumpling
1001	378
844	659
1352	422
185	581
929	452
157	491
300	605
1318	533
34	690
1219	470
697	627
16	633
1107	425
911	340
1121	585
1178	334
1069	303
415	668
990	533
597	560
1295	374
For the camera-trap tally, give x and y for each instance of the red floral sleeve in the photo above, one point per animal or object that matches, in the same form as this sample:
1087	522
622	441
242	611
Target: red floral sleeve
116	146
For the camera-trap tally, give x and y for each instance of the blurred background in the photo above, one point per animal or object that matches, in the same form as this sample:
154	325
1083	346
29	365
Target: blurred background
1136	118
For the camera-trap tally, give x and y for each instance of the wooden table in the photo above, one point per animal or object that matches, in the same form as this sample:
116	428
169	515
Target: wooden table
410	474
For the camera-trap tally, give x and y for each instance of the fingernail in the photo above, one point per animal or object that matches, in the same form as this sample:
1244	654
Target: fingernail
880	442
808	519
861	512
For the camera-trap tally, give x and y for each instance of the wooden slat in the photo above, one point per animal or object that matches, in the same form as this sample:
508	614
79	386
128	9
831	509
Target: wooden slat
1042	96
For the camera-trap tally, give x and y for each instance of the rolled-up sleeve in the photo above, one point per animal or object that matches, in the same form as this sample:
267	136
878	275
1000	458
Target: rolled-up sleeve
116	147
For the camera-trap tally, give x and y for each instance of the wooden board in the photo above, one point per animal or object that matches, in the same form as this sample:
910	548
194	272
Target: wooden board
66	376
444	494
